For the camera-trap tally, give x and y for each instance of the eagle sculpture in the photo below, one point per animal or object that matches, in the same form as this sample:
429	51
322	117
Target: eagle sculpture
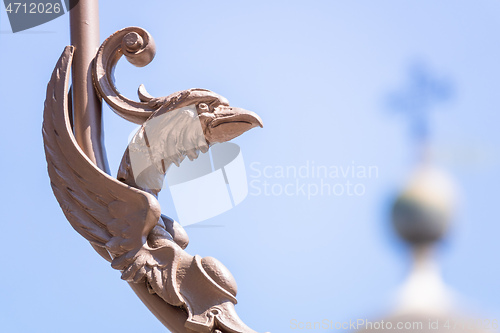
121	217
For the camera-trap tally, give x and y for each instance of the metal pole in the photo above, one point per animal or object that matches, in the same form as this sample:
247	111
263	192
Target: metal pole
87	115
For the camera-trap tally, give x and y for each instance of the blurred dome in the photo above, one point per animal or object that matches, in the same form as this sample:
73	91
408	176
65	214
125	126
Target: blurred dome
422	213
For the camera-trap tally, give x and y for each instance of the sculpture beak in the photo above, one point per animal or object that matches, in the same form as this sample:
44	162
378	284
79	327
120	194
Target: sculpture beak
230	122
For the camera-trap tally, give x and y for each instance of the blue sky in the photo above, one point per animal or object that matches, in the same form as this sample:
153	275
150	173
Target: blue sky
319	74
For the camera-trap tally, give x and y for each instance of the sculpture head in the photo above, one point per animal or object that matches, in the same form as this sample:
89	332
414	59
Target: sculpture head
184	124
220	122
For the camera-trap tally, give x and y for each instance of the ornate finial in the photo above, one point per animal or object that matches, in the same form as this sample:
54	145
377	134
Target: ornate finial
423	211
421	215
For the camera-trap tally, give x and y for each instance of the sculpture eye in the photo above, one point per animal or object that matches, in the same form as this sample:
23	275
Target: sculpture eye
202	107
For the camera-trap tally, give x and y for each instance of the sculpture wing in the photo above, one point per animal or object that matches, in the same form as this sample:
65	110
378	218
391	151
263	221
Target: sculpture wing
106	212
